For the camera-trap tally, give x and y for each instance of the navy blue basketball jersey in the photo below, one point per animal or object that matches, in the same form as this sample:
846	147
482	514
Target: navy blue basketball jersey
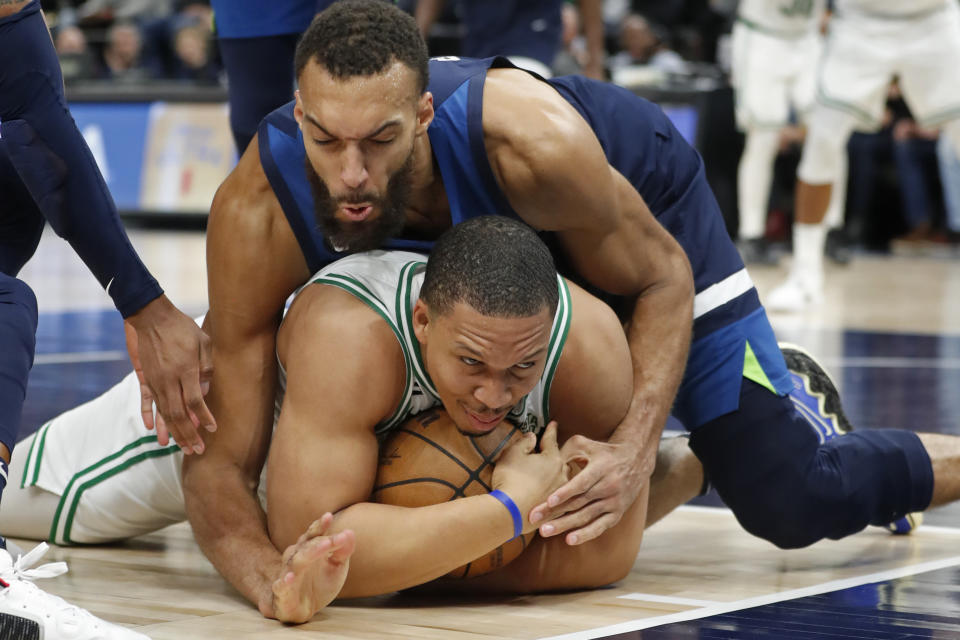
731	334
638	139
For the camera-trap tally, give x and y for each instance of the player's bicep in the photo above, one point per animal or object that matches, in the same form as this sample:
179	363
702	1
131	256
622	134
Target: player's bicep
253	259
321	459
593	383
339	358
629	253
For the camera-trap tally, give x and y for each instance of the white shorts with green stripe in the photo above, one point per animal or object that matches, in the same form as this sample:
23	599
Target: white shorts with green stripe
113	479
864	53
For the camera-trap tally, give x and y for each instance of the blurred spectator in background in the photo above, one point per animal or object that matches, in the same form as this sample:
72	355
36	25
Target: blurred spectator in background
915	154
121	55
573	55
193	60
528	32
76	60
101	12
695	25
646	44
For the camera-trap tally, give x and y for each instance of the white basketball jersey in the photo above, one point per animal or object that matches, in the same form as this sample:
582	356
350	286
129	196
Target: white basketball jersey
782	17
890	8
389	283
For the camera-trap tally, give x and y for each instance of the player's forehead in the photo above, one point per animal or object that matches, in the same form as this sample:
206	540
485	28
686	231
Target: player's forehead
495	336
394	88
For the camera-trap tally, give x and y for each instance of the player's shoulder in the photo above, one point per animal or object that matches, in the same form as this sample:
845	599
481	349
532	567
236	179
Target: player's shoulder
245	199
331	320
519	108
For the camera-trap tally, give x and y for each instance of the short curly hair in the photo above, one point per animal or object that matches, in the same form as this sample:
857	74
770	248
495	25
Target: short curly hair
497	265
362	38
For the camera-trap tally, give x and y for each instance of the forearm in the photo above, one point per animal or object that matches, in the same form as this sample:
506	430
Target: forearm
220	486
231	530
54	162
658	335
399	547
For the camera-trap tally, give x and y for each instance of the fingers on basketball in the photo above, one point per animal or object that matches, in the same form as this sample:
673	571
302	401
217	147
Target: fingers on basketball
427	461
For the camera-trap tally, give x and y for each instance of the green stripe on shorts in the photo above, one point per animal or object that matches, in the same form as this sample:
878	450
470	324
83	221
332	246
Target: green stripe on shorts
753	371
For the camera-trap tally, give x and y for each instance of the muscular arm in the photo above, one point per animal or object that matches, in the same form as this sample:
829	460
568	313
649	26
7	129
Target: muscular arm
253	264
324	453
612	239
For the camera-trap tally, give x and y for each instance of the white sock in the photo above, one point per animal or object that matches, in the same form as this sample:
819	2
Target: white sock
808	240
754	176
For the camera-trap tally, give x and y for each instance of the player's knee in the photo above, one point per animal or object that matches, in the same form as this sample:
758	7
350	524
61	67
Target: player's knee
795	510
762	142
821	160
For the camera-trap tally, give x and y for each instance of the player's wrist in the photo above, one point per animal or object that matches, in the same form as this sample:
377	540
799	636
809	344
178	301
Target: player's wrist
152	313
516	516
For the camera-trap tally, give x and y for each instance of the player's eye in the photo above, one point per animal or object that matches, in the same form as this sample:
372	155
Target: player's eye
470	362
384	142
321	142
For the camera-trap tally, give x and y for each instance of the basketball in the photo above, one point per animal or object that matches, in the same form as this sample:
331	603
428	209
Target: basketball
427	461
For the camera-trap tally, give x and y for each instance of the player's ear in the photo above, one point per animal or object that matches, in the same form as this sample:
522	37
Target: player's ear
298	108
424	112
421	320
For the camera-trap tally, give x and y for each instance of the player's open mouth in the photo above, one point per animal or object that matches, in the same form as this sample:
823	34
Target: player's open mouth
484	423
357	213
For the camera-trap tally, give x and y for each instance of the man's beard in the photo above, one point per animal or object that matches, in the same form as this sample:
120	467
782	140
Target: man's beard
366	234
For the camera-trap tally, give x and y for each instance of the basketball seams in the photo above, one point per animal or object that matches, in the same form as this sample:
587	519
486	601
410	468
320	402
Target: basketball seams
416	453
426	479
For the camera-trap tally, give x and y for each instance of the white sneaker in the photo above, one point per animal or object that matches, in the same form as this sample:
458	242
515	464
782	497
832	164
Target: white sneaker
28	613
794	295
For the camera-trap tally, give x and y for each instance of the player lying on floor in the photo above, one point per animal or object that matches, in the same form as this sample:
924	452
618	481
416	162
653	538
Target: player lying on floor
487	329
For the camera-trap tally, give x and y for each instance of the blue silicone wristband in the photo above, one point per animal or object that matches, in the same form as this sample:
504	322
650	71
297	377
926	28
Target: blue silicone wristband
513	509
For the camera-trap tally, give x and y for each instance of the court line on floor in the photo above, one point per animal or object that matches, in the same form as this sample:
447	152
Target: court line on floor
890	362
747	603
79	356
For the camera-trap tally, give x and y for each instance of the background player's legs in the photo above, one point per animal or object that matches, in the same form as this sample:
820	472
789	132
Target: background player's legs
821	162
260	73
754	177
837	248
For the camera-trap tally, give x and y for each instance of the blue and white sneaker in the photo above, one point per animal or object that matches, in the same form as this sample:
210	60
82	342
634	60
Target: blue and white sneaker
816	398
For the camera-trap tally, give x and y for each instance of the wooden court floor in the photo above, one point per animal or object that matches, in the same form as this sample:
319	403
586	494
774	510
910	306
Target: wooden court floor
889	330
